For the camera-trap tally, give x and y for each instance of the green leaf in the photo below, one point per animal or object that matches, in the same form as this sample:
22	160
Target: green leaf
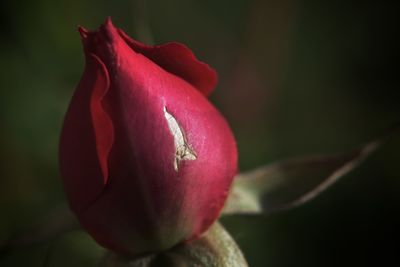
215	248
293	182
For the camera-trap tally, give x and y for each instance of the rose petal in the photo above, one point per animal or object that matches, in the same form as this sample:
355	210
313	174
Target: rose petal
84	162
102	123
177	59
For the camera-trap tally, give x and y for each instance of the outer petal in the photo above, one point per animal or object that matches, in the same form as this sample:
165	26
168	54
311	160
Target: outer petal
102	124
177	59
87	137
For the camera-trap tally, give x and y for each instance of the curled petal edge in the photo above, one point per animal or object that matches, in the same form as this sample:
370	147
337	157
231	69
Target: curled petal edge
102	123
179	60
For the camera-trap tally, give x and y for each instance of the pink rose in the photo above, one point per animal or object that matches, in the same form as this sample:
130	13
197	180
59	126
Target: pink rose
147	161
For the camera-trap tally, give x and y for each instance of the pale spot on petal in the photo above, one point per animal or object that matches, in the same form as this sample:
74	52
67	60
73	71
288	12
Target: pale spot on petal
183	151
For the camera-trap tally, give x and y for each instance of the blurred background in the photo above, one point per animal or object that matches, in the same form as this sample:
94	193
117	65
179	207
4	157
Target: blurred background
295	77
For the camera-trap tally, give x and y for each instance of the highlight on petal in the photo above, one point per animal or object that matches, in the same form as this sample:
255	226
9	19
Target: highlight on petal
179	60
83	32
102	124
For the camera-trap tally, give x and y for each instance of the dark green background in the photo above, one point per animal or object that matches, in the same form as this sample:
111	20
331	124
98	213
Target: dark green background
296	77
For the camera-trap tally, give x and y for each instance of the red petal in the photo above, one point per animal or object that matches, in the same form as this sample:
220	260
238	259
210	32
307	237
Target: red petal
86	138
102	123
177	59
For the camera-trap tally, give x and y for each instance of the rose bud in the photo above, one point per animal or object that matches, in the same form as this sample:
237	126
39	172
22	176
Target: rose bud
146	160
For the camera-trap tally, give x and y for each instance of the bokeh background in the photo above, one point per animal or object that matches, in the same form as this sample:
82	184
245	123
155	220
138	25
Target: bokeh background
295	77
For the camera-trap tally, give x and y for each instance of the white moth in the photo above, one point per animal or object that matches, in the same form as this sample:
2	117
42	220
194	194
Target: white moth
182	148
